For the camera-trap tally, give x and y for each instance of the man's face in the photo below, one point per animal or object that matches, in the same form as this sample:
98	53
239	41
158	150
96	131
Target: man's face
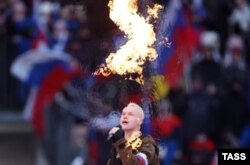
130	120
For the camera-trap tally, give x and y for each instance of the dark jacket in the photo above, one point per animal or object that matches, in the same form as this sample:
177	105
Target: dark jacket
126	156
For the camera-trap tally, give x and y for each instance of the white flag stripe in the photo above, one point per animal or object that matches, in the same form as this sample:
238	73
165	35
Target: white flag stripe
143	156
23	64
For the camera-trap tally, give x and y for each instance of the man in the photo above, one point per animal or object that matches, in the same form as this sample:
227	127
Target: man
130	147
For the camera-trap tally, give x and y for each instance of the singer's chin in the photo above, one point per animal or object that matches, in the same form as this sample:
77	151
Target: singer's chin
124	127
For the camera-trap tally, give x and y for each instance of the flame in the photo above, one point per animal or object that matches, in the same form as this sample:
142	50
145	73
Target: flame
153	12
141	37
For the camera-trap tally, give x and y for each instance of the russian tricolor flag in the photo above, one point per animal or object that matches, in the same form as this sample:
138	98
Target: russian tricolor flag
183	38
47	72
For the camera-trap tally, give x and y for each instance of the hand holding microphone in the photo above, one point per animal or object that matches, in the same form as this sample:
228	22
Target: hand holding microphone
113	131
115	134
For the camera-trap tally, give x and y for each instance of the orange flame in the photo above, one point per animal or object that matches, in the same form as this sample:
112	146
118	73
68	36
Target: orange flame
130	57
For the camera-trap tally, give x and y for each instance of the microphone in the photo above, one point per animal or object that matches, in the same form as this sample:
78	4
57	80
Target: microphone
111	135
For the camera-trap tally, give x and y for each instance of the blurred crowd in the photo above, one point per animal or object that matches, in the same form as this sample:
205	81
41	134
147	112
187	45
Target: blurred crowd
207	109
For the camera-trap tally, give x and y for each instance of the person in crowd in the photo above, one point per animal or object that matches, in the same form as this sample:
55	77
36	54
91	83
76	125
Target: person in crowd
166	127
130	146
20	28
201	150
239	20
202	112
207	65
234	56
60	36
235	85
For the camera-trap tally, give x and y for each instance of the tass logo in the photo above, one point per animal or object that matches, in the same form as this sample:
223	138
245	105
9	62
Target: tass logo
234	156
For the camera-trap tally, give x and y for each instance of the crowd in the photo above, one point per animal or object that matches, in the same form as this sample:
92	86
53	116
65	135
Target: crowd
207	109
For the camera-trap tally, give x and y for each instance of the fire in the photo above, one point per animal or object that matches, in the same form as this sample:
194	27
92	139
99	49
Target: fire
130	57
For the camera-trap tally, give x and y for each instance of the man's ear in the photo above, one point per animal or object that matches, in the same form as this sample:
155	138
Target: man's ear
139	120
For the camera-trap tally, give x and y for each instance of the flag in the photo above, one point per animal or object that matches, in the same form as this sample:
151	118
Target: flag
160	87
183	39
47	72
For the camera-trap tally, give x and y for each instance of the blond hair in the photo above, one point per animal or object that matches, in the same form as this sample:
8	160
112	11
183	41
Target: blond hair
137	108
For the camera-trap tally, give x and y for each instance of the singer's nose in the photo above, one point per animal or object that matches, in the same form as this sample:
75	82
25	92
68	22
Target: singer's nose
125	117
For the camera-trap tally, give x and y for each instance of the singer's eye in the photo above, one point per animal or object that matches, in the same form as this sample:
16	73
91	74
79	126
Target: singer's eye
127	113
130	114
